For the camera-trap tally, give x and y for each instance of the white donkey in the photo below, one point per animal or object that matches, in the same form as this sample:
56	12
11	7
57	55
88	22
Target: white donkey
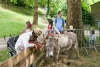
55	43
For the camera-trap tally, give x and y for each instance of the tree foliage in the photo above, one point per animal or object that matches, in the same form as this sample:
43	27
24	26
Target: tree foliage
86	5
57	5
87	17
86	13
24	3
43	3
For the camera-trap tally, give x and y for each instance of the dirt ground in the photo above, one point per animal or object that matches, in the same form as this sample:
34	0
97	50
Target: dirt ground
63	62
92	60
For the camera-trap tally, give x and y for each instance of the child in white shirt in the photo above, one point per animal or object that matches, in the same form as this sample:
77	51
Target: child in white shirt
92	38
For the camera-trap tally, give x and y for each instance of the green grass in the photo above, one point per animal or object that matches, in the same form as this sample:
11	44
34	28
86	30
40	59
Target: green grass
12	19
4	55
97	39
92	60
20	10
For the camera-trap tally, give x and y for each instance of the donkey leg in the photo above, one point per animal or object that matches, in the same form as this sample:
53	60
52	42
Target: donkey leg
77	51
70	53
56	57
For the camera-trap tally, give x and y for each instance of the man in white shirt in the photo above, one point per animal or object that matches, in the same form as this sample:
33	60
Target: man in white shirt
23	41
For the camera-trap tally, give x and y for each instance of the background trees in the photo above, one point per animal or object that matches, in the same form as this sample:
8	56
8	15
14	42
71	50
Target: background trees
74	14
57	5
35	17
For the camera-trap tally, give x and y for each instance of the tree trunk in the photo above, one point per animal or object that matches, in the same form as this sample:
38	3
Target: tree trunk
35	19
48	5
74	14
75	18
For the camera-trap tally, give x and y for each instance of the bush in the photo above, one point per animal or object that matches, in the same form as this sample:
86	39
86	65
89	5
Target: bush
87	17
40	13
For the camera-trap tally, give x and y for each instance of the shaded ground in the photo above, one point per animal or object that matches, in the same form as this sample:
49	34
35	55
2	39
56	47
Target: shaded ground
85	61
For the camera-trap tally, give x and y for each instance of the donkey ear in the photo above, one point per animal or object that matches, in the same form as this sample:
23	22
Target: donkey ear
56	37
43	35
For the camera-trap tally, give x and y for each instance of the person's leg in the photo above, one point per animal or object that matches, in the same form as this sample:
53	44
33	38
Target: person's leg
92	43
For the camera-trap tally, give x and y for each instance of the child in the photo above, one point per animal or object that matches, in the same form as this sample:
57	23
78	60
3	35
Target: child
51	28
32	39
92	38
71	29
28	27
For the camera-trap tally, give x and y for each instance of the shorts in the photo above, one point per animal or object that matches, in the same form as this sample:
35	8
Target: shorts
62	32
91	42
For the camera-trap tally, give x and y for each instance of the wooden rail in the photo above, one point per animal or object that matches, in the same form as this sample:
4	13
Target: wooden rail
25	58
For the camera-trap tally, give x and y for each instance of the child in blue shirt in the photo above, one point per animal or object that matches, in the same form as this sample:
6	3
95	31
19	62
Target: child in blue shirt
92	38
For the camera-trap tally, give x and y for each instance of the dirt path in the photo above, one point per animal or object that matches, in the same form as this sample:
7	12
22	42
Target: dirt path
3	44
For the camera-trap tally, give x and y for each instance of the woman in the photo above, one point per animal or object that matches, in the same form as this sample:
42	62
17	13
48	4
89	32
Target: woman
51	29
28	39
28	27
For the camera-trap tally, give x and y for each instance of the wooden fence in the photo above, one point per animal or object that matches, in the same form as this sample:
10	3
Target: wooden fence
25	58
36	57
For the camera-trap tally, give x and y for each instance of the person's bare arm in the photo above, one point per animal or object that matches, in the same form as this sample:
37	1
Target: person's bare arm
56	30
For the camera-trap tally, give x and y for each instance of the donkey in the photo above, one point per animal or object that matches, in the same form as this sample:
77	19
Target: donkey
57	42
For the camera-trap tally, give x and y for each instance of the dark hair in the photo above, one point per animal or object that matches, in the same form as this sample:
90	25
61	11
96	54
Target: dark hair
93	32
50	22
29	25
34	34
32	38
59	12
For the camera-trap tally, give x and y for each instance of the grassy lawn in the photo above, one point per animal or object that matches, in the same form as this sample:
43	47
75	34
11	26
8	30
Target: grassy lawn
4	55
97	39
92	60
12	19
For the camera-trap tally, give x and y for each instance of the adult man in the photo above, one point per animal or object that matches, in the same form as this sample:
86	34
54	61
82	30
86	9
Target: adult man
59	22
27	40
